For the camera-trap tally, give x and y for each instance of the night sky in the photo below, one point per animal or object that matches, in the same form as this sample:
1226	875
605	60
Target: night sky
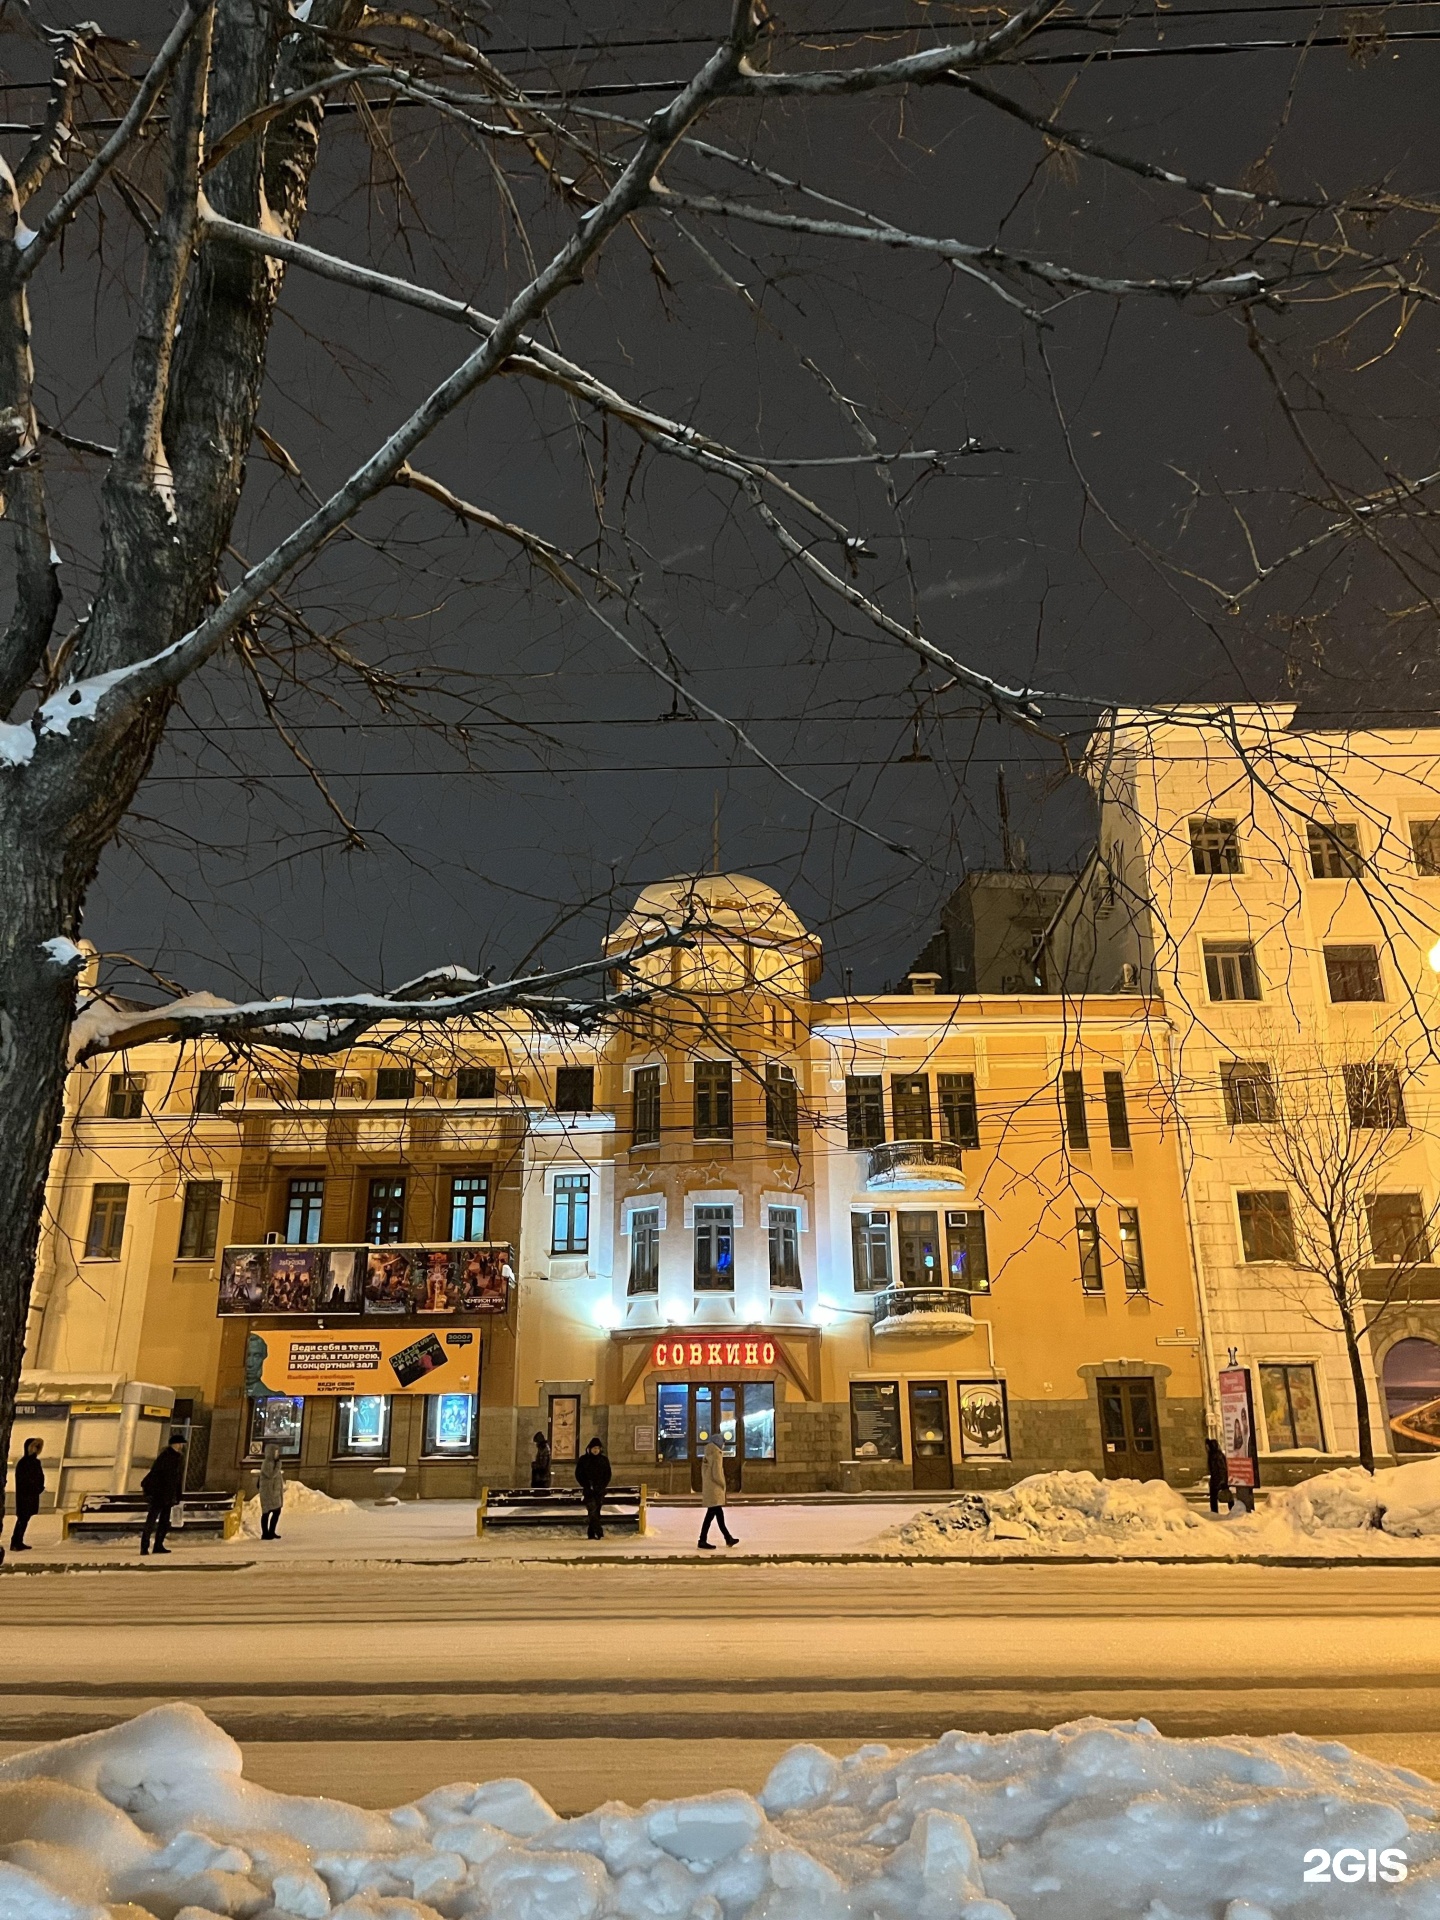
1124	458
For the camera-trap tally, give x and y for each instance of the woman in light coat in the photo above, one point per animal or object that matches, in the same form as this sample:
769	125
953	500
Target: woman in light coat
712	1487
272	1491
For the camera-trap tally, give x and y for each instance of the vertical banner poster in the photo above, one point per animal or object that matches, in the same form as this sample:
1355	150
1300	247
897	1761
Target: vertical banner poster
1237	1427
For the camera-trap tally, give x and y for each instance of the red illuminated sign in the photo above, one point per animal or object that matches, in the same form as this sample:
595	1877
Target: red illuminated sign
724	1352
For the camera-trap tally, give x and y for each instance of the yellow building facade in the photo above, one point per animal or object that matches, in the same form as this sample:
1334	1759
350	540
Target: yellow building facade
882	1242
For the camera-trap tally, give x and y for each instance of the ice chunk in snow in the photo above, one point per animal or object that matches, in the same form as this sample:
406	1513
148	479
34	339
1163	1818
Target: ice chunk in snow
706	1829
805	1774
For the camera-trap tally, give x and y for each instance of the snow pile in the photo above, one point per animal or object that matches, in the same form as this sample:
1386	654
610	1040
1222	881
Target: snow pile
1094	1821
1055	1510
1403	1501
299	1499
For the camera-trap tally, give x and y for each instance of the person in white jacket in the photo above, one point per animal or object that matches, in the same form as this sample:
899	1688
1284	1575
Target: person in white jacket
712	1485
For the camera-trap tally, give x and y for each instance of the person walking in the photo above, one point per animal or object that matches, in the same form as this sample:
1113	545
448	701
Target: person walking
713	1489
163	1487
592	1471
272	1491
540	1464
29	1485
1218	1468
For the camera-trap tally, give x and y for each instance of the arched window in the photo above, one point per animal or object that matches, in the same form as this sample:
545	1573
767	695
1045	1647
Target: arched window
1411	1377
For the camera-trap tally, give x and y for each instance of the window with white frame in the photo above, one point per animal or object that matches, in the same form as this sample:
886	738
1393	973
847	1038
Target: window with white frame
570	1213
784	1249
644	1251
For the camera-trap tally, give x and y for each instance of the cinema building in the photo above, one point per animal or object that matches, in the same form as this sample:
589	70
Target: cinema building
906	1240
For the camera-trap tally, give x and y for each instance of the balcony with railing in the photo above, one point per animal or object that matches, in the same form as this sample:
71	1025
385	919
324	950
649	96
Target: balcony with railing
915	1166
924	1313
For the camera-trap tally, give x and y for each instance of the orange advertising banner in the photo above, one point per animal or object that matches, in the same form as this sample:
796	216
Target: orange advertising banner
351	1360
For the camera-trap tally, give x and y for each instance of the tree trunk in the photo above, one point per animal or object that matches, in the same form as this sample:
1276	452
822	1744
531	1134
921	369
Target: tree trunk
1362	1394
37	1002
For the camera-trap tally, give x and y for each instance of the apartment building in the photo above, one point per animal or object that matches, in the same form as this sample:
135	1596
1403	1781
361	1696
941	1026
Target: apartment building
1278	888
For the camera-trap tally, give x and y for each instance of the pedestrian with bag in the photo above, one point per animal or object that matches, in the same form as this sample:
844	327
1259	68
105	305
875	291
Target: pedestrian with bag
592	1471
713	1491
540	1464
163	1488
271	1490
29	1485
1218	1468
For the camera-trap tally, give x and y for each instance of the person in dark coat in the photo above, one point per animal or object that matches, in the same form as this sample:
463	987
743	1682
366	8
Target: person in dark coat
1218	1468
162	1487
29	1485
540	1465
592	1471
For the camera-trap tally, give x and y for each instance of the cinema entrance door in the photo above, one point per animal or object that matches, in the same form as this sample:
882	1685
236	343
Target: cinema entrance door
740	1412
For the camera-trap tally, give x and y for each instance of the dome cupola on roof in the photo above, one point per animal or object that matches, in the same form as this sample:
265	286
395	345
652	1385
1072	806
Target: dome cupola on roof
745	935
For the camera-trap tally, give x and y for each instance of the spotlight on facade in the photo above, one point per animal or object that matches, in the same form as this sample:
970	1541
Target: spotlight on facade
1434	956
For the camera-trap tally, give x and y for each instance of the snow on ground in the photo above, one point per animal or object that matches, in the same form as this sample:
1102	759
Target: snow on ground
1093	1821
1346	1514
299	1499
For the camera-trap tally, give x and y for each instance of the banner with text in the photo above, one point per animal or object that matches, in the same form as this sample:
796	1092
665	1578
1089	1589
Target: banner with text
382	1360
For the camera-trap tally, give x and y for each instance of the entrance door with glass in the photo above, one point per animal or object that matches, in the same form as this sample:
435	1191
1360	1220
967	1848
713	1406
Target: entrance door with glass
930	1433
1130	1430
740	1412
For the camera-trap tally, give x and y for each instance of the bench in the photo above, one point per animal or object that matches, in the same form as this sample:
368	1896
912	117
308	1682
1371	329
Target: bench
113	1516
622	1508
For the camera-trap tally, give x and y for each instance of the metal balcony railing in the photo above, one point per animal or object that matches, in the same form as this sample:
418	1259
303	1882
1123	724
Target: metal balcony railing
903	1303
924	1162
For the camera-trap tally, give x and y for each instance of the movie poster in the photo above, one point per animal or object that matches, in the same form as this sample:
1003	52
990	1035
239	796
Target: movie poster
242	1280
483	1279
390	1281
295	1278
439	1280
340	1292
984	1433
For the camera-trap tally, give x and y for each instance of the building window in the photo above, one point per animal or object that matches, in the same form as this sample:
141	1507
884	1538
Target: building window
1132	1256
1230	970
214	1089
574	1089
200	1220
1249	1090
1117	1113
644	1251
714	1249
875	1420
864	1110
362	1427
782	1106
125	1098
1267	1228
920	1260
1087	1239
1072	1100
107	1220
645	1108
304	1200
1215	846
910	1100
1334	849
1374	1095
959	1116
469	1205
475	1083
1425	839
1292	1407
1399	1233
870	1245
713	1109
784	1249
385	1213
969	1256
1353	973
315	1083
570	1215
450	1426
395	1083
275	1421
